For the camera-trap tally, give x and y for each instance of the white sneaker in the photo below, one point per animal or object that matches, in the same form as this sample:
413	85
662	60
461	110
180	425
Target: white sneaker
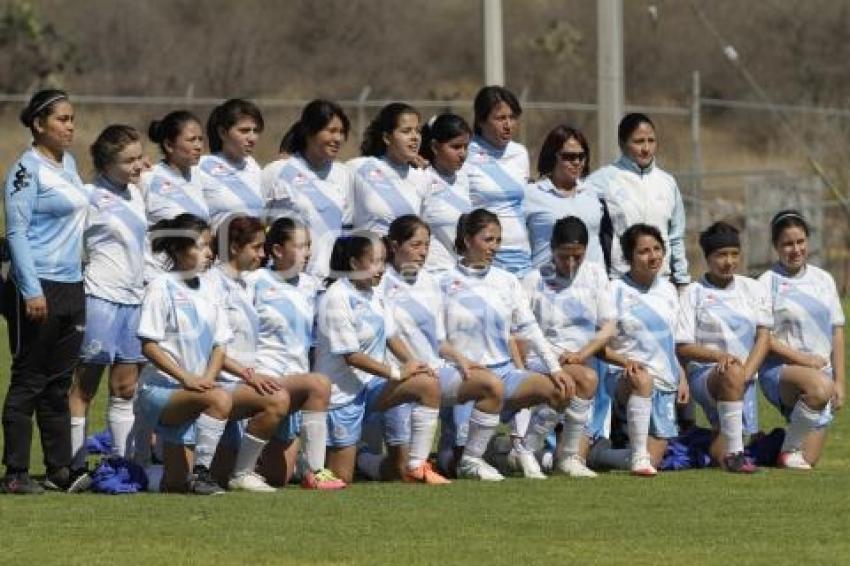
793	461
525	462
574	467
250	482
547	461
477	469
642	466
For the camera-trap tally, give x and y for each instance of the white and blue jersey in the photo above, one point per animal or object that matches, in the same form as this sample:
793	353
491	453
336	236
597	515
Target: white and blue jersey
350	320
235	295
169	194
287	321
46	207
650	196
482	309
185	323
497	179
448	198
416	309
322	199
646	322
570	312
115	237
544	205
806	309
383	191
231	188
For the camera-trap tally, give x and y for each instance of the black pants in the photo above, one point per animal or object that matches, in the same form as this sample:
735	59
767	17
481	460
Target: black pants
44	356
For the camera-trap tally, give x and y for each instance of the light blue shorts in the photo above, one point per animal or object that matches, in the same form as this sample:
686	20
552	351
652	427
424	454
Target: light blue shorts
599	420
289	427
111	333
698	383
151	401
662	421
770	375
345	423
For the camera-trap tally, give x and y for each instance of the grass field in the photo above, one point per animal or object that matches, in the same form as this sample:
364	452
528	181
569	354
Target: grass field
776	517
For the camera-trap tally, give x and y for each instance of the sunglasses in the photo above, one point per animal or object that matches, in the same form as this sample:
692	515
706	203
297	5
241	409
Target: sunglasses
570	156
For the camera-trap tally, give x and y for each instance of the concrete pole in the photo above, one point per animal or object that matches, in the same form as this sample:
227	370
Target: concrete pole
610	77
494	56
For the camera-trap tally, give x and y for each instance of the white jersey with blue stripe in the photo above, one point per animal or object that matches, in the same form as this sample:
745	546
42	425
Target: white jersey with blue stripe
448	198
497	180
350	320
185	323
46	207
169	194
115	242
231	188
482	309
235	295
806	308
723	318
417	312
646	322
383	191
544	205
321	199
287	321
570	312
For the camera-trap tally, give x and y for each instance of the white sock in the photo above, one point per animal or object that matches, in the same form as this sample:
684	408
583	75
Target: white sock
575	417
613	458
803	421
119	418
519	424
423	425
210	430
315	427
369	464
78	442
542	422
249	452
731	415
638	412
481	428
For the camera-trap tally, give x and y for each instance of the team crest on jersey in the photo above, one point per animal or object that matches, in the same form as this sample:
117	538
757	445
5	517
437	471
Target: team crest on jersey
784	287
375	174
167	187
219	170
181	298
272	293
300	179
455	286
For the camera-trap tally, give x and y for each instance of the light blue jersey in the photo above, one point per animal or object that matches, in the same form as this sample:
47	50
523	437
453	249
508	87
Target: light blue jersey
448	198
168	194
417	312
46	207
646	320
323	200
482	309
383	191
115	238
497	180
185	323
287	321
235	295
650	196
544	205
230	188
350	320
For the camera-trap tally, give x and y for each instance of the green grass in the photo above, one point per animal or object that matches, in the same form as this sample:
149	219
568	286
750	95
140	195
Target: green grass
701	517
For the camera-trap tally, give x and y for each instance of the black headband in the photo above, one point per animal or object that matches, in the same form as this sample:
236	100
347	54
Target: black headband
712	242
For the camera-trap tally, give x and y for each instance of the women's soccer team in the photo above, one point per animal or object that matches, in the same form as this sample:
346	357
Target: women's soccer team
317	322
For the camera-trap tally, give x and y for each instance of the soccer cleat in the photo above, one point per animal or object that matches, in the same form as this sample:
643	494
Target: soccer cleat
19	483
642	467
250	481
793	460
424	474
739	463
202	483
525	462
80	481
70	481
323	479
477	469
574	467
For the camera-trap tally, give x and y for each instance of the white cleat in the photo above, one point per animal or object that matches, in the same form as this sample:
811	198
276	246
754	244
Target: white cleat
574	467
250	482
642	467
793	461
477	469
525	462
